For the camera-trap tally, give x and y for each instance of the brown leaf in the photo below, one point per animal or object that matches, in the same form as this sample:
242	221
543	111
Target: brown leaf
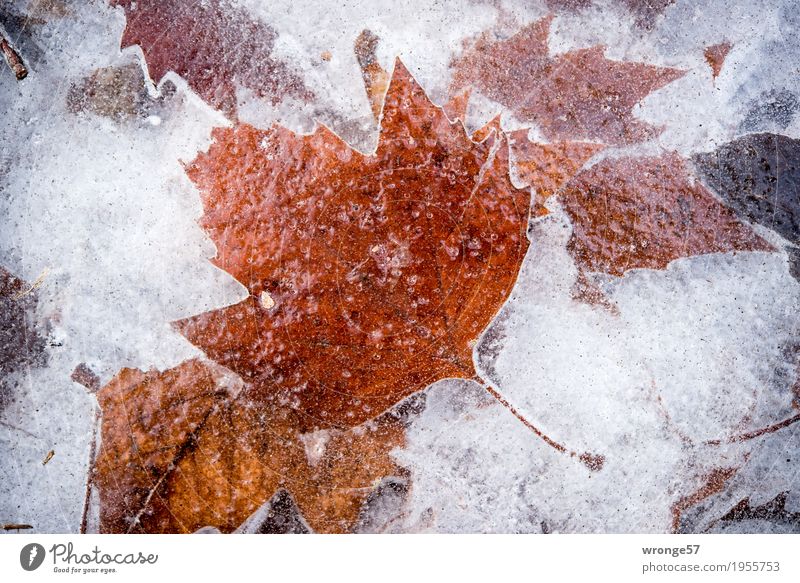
579	95
381	270
118	93
214	46
630	213
547	167
627	213
84	375
715	56
185	449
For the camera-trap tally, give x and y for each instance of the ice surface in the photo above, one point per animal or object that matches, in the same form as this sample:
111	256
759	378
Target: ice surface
105	209
667	381
690	358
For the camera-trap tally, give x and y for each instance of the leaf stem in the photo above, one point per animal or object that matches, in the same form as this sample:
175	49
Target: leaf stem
90	472
758	432
592	461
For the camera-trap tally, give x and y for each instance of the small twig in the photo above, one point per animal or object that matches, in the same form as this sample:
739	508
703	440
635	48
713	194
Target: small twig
13	59
167	473
14	526
592	461
34	286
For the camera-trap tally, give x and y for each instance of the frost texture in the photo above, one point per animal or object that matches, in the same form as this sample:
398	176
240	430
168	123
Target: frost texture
696	353
105	212
668	377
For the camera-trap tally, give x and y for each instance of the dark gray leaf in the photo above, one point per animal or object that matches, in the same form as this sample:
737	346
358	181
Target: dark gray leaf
758	176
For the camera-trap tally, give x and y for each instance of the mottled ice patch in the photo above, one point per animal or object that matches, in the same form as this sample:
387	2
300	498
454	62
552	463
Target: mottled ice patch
694	354
423	34
699	111
469	442
103	208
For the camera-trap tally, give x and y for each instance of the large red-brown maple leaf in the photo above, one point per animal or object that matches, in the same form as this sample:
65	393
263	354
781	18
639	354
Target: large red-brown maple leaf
370	276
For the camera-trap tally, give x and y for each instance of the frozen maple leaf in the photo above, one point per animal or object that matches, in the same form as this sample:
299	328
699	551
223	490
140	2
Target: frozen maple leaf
187	448
579	95
547	167
759	177
214	45
370	276
630	213
715	56
627	213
